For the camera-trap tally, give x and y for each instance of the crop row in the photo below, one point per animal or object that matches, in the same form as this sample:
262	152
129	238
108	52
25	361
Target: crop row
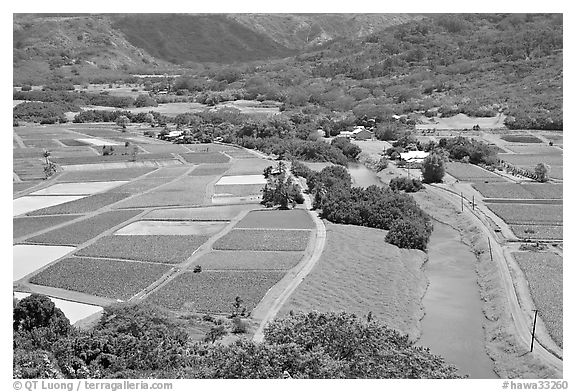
215	291
543	271
265	240
114	279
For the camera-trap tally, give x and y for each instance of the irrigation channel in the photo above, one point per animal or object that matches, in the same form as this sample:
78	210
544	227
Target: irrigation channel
452	325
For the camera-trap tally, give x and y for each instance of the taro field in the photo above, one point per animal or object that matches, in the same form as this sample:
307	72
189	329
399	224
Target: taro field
472	173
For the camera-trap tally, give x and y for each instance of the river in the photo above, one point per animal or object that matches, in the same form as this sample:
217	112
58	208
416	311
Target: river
452	325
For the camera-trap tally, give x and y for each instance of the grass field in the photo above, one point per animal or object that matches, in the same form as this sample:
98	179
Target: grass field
204	157
114	279
360	273
240	154
80	232
28	225
249	260
537	149
275	240
520	139
167	249
528	214
84	205
543	271
520	191
104	175
215	291
473	173
277	219
531	160
73	142
538	232
220	213
249	166
165	148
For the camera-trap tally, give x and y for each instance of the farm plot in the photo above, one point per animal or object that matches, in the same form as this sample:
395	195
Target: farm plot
276	219
169	172
220	213
78	188
27	153
143	185
543	272
28	258
42	143
104	175
360	273
520	139
74	311
250	166
211	147
520	191
473	173
187	191
155	227
22	186
83	160
533	149
267	240
530	160
165	148
528	214
81	206
29	169
26	204
74	142
540	232
114	279
249	179
240	154
209	170
215	291
248	260
168	249
204	157
238	190
72	152
80	232
28	225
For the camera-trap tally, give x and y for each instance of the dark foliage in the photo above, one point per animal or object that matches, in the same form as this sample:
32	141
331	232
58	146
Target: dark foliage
406	184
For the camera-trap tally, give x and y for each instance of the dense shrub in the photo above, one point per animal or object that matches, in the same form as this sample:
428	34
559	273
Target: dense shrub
406	184
144	100
476	151
350	150
433	168
409	233
42	112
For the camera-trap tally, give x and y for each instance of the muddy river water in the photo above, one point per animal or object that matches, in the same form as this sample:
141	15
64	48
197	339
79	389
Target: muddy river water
452	326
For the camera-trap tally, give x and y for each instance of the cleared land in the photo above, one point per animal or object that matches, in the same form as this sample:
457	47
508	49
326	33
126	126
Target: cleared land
538	232
520	191
172	228
104	175
473	173
215	291
240	154
277	219
276	240
248	260
28	258
28	225
528	214
167	249
82	206
223	213
204	157
80	232
543	272
114	279
358	272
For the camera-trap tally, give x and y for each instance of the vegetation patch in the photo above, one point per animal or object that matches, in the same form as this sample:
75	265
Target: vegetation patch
543	272
538	232
275	240
84	205
104	175
248	260
28	225
167	249
202	157
114	279
80	232
528	214
521	139
277	219
215	291
220	213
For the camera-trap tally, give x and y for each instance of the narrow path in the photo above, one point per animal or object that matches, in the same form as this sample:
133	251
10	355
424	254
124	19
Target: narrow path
307	266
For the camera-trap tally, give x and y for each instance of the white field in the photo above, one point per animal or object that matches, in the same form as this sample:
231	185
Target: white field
99	142
26	204
79	188
171	228
74	311
250	179
224	199
28	258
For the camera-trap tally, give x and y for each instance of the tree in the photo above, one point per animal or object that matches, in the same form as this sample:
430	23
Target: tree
409	233
433	169
280	190
542	172
149	117
122	121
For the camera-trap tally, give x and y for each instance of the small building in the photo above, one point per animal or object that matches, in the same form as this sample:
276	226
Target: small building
347	134
414	156
361	133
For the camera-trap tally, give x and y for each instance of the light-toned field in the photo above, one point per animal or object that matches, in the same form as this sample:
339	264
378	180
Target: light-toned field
87	204
27	204
74	311
220	213
171	228
28	258
532	160
242	180
78	188
358	272
104	175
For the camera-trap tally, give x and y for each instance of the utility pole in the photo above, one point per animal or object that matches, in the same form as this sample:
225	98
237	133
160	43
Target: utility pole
490	247
473	203
462	201
533	330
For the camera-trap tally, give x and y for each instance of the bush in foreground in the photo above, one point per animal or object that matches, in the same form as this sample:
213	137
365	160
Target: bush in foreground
433	168
409	233
406	184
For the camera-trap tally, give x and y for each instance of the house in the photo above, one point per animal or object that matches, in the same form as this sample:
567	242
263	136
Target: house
361	133
414	156
347	134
